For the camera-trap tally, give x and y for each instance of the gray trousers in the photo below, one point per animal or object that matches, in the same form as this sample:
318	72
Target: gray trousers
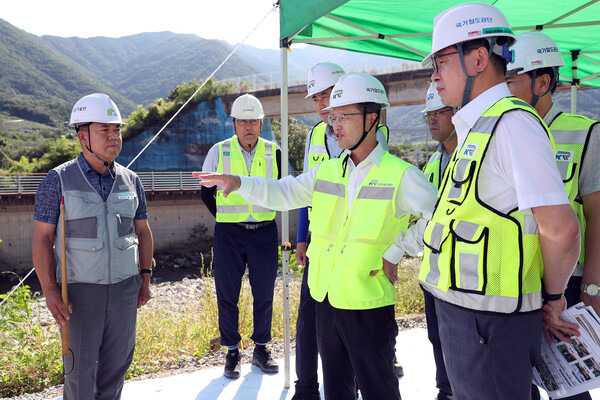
101	339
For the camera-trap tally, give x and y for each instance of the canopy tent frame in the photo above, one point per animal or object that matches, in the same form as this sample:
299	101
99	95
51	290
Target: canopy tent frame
325	8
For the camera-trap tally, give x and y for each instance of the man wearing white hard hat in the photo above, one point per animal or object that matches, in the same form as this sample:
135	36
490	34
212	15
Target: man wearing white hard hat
108	252
533	76
503	239
321	145
245	234
359	204
438	118
439	121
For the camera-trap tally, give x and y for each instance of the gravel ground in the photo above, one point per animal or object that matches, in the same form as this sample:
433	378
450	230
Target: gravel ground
173	294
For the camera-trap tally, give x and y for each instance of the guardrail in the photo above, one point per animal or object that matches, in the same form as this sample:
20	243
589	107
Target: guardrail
17	184
22	183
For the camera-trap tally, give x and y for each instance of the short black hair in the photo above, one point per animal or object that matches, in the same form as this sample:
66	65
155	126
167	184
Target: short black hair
497	62
547	70
369	107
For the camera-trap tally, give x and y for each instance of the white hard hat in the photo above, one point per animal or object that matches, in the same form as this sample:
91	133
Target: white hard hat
466	22
433	101
322	76
247	107
96	107
534	50
356	87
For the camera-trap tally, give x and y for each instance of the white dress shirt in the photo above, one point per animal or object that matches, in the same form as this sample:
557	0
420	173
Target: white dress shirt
519	169
417	197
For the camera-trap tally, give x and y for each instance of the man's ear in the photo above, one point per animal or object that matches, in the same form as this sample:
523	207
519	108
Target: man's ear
542	84
481	59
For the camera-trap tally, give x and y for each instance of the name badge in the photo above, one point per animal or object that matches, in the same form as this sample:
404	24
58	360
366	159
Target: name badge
126	196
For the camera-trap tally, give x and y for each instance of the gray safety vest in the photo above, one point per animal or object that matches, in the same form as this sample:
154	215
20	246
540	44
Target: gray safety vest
102	246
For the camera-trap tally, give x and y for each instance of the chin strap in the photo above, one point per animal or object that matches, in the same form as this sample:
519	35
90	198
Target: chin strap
506	54
536	97
89	147
449	136
365	132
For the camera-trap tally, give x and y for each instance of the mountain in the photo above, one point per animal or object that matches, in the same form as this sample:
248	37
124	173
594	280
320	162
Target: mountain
37	83
147	66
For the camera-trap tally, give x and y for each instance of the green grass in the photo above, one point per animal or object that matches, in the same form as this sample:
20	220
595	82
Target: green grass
30	359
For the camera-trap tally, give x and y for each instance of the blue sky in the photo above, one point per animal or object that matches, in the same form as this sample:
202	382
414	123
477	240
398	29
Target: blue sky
229	20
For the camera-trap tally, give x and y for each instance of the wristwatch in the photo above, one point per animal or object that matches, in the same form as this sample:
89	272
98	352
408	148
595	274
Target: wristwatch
590	289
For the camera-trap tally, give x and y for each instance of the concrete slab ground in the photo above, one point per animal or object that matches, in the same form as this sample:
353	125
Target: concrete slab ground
413	350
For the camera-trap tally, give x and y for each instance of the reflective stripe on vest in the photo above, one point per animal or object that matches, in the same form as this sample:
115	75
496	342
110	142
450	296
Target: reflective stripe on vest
101	243
571	134
475	257
231	161
345	247
433	169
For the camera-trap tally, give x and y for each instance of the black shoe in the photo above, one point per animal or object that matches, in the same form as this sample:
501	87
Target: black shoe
311	396
232	364
443	396
398	370
262	358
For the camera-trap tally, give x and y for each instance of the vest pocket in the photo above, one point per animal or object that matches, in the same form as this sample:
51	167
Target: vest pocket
434	237
369	217
85	260
321	216
354	280
461	180
469	256
126	257
83	228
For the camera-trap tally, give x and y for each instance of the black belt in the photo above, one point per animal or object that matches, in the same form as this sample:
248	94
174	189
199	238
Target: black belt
254	225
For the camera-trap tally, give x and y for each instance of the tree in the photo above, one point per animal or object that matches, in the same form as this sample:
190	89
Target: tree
59	151
296	140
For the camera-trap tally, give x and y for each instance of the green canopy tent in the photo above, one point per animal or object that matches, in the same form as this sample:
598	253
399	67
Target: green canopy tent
402	29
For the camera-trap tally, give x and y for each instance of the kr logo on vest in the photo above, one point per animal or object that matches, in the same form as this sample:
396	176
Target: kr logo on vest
470	150
564	155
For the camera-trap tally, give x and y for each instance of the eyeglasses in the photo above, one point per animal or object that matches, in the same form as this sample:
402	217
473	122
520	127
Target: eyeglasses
434	114
244	122
339	119
435	58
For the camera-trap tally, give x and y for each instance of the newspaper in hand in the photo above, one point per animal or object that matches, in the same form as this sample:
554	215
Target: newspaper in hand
567	369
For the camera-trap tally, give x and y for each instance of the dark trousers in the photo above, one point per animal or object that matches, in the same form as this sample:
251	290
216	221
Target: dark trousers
307	355
357	344
489	356
236	247
101	339
573	295
441	377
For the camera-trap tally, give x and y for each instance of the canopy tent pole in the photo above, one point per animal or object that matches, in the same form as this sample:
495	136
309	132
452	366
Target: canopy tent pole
574	80
285	234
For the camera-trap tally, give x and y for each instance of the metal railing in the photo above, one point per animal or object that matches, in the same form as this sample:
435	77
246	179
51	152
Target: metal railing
23	183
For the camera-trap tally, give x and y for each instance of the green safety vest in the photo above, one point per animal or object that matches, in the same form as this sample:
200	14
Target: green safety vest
346	247
231	161
572	134
433	169
318	151
476	257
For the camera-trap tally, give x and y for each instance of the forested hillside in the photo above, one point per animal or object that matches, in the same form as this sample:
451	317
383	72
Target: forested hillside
37	83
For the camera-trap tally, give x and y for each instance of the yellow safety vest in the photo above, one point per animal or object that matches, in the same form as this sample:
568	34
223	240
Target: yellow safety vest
318	151
433	169
572	134
346	247
231	161
474	256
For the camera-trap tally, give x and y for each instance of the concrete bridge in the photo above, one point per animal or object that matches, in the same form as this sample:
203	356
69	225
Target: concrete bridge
403	89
